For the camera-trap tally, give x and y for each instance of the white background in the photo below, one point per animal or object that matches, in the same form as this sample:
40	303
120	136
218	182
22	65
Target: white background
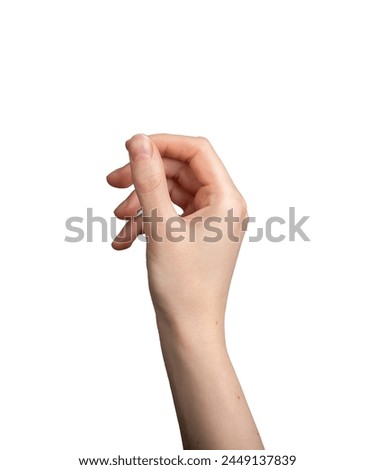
285	92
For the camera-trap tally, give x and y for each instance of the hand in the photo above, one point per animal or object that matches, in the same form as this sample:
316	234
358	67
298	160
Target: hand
185	276
190	261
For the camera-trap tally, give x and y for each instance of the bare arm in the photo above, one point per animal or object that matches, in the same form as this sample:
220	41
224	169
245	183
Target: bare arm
210	405
189	271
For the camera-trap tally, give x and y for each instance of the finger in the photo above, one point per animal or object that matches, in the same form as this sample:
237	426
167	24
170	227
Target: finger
176	169
182	173
129	207
179	195
120	178
148	175
128	233
197	152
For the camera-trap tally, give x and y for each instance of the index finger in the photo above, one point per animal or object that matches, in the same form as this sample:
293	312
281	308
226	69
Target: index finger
197	152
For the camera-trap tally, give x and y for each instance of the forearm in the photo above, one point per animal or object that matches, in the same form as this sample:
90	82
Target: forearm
211	408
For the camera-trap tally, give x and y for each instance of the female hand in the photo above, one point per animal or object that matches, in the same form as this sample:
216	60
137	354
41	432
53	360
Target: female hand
190	258
190	261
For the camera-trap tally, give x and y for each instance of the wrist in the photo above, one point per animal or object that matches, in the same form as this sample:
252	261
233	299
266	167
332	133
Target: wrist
192	335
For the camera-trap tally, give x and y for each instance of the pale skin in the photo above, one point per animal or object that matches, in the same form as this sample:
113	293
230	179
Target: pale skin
189	280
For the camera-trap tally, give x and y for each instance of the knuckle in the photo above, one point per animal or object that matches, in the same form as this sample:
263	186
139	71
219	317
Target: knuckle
202	142
242	206
239	205
235	203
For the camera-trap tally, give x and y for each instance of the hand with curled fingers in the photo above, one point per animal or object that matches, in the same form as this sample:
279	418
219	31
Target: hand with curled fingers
190	262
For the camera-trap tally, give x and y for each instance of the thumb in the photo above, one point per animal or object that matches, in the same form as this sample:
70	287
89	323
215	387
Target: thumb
148	176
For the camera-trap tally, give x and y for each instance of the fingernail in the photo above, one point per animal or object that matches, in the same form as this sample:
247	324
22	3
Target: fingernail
139	147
